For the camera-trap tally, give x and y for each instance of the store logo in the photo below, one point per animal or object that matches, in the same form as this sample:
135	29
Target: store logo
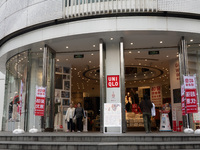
113	81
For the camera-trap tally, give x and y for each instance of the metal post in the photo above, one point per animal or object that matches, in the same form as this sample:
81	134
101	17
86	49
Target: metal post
122	74
102	86
44	82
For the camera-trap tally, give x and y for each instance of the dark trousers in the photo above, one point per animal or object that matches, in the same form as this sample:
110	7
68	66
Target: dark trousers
147	121
79	123
70	125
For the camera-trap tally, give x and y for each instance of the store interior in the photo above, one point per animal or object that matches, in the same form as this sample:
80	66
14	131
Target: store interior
77	80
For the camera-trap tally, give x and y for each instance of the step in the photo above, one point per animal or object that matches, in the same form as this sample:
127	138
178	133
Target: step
98	137
98	145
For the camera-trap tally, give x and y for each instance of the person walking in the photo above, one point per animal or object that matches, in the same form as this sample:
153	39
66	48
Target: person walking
146	106
69	118
79	114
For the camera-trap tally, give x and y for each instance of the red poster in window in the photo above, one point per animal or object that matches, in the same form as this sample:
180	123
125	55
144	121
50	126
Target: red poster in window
113	81
40	101
191	100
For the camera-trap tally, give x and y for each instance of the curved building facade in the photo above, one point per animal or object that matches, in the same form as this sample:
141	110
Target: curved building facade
105	54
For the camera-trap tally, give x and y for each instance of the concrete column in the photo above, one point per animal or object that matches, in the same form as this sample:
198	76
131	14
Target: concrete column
112	67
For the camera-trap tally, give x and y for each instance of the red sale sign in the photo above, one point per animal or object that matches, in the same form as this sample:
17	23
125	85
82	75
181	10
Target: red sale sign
113	81
40	101
191	100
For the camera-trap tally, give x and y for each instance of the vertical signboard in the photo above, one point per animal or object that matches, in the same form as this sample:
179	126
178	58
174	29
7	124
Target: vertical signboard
190	94
40	101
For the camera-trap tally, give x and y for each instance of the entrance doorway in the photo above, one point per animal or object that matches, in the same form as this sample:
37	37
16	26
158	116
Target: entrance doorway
156	74
77	81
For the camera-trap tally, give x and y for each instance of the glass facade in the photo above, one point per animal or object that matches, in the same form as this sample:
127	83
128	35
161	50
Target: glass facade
24	73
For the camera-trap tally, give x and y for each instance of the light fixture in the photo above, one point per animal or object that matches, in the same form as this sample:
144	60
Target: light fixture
188	45
57	60
139	63
167	56
94	46
111	39
145	59
129	52
41	48
90	61
161	42
131	43
66	59
92	54
138	52
67	46
191	40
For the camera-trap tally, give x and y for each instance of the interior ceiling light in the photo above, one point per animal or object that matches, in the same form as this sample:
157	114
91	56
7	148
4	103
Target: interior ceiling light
161	42
188	45
67	59
93	45
58	60
131	43
111	39
145	60
90	61
67	46
167	56
92	54
129	52
191	40
138	52
40	48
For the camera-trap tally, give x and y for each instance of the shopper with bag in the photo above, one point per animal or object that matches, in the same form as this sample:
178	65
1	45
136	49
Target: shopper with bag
79	114
69	118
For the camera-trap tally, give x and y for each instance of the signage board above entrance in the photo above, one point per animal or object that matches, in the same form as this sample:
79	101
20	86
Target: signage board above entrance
154	52
113	81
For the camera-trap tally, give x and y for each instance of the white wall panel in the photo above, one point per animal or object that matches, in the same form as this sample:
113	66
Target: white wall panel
16	21
13	6
2	12
2	2
32	2
44	11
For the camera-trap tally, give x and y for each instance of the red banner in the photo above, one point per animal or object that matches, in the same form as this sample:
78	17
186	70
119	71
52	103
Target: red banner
113	81
40	101
191	100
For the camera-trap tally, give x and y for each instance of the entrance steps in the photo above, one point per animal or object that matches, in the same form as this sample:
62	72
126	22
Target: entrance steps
98	141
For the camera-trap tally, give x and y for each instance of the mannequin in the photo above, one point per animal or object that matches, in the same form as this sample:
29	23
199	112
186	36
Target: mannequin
128	102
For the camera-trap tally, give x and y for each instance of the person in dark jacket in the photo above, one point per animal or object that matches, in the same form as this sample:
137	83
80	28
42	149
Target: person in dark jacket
79	114
146	106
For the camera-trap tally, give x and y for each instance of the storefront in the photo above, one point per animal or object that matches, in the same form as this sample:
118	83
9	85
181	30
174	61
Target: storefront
77	77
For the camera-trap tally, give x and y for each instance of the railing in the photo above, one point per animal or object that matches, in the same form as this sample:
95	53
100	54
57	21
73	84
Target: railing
77	8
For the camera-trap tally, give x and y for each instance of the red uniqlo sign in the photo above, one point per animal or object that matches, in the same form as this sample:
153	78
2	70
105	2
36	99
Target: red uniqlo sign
113	81
40	101
183	99
191	101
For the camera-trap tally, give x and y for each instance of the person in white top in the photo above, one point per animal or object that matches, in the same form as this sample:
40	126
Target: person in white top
69	118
